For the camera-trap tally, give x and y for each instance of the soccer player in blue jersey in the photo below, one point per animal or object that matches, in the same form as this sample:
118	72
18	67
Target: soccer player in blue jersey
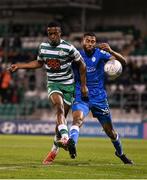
95	58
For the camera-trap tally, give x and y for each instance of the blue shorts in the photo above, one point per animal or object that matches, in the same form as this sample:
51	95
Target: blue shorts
100	110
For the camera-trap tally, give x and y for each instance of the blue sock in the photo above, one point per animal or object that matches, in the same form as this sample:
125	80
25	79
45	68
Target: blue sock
117	145
74	133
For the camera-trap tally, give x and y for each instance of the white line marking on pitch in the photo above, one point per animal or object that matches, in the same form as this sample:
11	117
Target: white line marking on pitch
10	167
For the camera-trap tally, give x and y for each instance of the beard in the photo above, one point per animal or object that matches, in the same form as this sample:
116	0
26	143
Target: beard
54	43
89	51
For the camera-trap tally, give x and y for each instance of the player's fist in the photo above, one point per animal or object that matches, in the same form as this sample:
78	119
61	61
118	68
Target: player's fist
105	47
13	68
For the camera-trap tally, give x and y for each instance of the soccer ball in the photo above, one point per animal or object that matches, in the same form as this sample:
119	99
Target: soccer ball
113	69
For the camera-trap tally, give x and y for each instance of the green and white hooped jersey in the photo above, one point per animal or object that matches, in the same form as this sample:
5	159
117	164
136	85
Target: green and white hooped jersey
58	61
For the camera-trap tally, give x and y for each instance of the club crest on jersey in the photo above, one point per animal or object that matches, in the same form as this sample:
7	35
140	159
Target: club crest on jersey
93	59
61	53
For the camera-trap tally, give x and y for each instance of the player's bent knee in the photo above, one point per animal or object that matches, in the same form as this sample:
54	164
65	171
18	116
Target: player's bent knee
113	135
78	118
78	122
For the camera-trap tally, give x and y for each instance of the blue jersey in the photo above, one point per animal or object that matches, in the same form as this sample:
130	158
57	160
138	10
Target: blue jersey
95	74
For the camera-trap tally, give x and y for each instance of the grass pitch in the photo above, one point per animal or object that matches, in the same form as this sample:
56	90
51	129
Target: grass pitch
21	158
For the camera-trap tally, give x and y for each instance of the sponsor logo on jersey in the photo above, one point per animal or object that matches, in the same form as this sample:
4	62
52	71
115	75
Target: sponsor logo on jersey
53	64
91	69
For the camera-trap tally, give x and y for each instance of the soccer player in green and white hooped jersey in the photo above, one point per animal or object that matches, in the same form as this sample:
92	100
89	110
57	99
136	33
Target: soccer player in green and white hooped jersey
58	62
57	55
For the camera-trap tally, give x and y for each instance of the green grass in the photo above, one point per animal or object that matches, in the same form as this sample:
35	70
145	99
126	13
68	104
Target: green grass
21	157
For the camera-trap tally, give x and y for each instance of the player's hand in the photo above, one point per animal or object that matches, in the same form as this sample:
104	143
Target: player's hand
105	47
84	92
13	68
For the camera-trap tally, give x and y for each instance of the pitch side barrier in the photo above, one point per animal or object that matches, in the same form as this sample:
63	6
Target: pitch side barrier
89	129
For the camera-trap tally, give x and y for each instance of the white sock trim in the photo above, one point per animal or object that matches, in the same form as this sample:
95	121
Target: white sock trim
74	127
62	126
65	136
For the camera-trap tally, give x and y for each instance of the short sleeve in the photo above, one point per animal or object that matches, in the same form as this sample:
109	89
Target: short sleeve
74	54
105	55
39	57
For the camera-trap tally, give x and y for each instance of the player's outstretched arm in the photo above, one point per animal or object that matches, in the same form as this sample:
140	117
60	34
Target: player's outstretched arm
31	65
115	55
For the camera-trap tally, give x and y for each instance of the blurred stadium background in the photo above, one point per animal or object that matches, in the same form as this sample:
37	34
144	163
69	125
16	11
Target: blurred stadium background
24	106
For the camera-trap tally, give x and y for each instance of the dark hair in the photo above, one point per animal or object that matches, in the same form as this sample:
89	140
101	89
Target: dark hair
54	24
89	34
